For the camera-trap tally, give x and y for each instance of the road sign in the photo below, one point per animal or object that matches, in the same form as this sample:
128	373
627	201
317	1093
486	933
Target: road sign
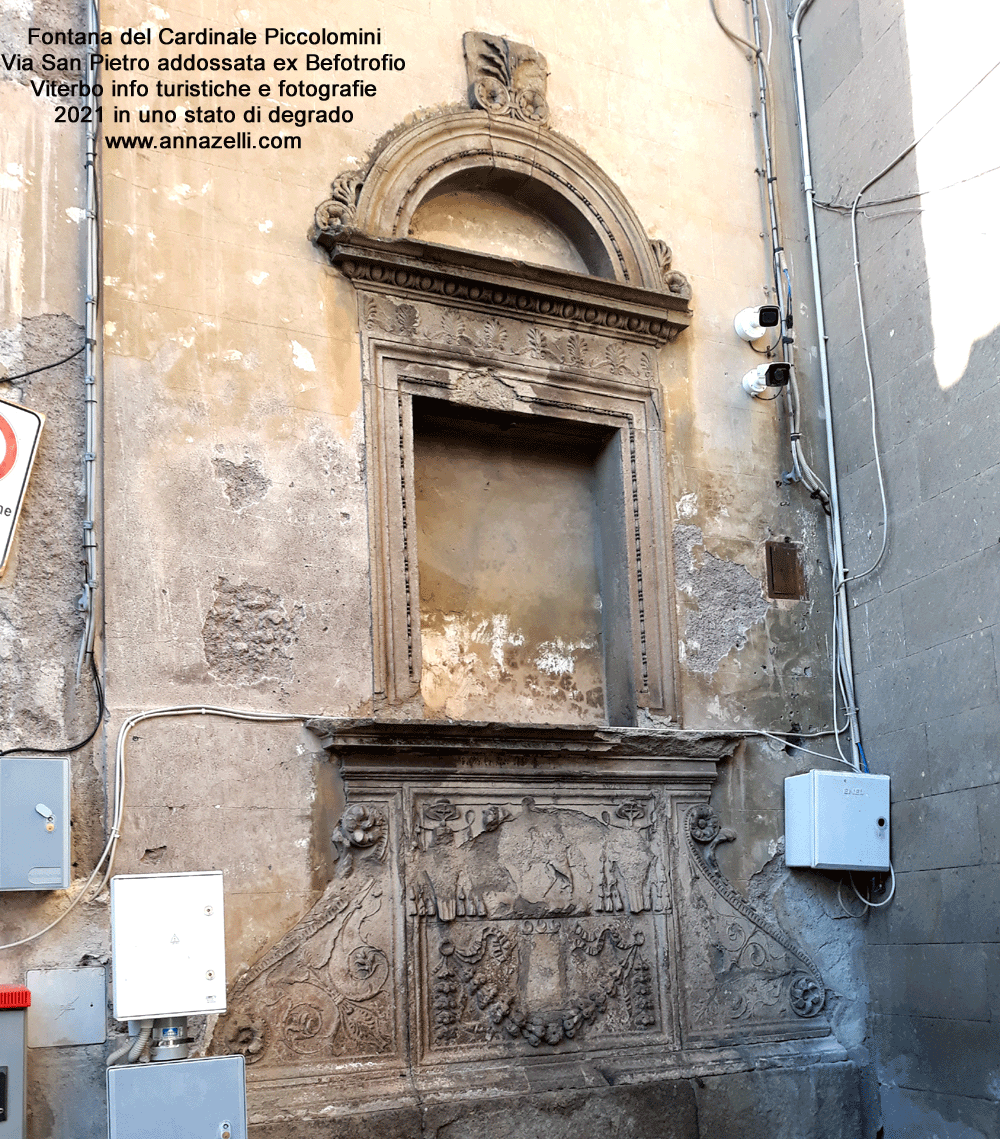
20	429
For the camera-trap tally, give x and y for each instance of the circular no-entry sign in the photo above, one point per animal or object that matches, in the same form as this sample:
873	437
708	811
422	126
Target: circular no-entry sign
8	450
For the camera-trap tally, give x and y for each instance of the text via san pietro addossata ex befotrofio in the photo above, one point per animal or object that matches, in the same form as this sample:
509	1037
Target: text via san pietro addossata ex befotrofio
263	86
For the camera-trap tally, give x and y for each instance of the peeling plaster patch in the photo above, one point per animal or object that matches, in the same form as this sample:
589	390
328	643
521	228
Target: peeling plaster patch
687	505
12	177
302	357
179	193
497	635
265	226
244	484
248	633
75	214
558	657
11	348
729	601
259	277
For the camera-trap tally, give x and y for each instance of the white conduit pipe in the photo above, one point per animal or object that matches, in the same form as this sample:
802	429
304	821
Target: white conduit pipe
91	358
840	591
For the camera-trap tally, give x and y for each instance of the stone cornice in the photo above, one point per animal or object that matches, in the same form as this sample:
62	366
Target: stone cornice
478	280
423	738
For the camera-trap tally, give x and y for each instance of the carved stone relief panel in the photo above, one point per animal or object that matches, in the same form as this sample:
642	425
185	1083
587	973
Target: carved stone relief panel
743	975
538	921
328	990
517	901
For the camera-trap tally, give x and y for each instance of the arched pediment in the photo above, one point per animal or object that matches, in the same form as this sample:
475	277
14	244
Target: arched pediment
534	165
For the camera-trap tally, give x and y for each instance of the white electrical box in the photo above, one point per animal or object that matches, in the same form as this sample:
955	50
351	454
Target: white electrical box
168	950
837	821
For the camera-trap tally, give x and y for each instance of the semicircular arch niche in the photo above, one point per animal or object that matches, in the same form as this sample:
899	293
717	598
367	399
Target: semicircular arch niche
512	309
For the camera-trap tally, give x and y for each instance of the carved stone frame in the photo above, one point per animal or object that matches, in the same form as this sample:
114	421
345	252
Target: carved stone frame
481	331
507	365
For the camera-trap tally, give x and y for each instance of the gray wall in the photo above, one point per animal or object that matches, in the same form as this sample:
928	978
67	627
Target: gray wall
924	625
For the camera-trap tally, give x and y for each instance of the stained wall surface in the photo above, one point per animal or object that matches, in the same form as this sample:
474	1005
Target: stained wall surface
924	622
235	541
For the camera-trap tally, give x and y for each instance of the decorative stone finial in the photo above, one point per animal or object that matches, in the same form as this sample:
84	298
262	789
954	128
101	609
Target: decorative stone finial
506	78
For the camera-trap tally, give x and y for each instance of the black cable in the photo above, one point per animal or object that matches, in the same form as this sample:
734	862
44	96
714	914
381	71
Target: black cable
74	747
44	367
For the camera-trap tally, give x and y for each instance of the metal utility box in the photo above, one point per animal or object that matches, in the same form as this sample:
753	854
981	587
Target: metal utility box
34	824
14	1000
182	1098
168	950
837	821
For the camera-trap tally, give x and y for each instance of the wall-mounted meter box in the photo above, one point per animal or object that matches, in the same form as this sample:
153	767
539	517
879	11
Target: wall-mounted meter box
34	824
168	950
182	1098
837	821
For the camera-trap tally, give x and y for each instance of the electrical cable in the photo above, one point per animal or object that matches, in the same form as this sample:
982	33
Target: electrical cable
69	749
44	367
118	800
864	322
885	901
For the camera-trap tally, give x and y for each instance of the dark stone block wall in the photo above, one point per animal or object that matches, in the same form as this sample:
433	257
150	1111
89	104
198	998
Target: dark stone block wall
925	624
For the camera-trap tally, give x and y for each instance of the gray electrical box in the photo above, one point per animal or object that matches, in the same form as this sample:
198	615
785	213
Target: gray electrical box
34	824
189	1098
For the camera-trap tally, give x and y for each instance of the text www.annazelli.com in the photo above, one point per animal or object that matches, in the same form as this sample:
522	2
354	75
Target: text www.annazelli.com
242	140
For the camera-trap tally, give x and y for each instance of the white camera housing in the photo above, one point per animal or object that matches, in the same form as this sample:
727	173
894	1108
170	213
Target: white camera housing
753	323
764	376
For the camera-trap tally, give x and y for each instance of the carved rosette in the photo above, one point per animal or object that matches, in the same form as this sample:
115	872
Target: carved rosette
506	78
760	973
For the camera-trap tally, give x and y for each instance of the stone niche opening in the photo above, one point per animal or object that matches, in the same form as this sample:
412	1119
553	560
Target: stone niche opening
524	608
507	215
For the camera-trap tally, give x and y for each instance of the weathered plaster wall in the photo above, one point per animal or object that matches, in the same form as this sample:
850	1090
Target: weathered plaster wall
236	540
924	624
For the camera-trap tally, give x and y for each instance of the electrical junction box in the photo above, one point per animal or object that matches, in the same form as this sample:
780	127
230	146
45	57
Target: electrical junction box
168	948
837	821
34	824
184	1099
14	1000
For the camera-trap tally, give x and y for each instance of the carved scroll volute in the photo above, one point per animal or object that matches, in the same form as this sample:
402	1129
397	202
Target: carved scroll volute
673	282
798	976
506	78
339	211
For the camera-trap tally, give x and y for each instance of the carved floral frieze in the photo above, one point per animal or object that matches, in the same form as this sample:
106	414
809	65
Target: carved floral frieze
501	337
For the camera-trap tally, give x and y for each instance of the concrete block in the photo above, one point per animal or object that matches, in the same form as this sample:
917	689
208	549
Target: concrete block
936	831
961	445
903	754
876	632
947	981
810	1103
988	810
945	1056
906	1113
937	682
962	750
958	904
960	598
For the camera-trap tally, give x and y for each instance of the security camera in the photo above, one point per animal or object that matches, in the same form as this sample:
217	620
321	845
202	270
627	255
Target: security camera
765	376
753	323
